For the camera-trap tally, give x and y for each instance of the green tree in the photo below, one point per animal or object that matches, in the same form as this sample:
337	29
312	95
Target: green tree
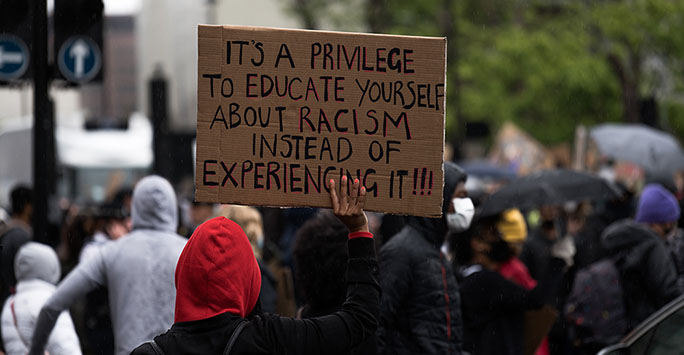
548	65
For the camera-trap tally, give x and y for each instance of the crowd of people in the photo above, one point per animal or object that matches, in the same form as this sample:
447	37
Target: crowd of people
131	277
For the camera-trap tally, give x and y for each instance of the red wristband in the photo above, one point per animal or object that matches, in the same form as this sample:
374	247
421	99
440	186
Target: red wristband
360	235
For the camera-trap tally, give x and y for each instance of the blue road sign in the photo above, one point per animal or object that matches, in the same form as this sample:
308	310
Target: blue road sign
79	59
14	57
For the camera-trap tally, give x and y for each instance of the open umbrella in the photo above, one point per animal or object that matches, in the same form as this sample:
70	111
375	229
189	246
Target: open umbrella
655	151
547	187
487	170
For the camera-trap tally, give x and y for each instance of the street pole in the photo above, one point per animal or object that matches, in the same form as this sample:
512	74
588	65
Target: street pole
158	103
43	125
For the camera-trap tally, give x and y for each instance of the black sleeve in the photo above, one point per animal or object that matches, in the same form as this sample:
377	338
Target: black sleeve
660	274
396	281
491	290
143	349
527	256
336	333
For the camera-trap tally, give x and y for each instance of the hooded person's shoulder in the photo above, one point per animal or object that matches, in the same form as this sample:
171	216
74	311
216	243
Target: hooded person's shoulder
145	239
627	234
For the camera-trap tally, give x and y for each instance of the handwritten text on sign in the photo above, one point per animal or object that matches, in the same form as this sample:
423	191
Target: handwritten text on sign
280	112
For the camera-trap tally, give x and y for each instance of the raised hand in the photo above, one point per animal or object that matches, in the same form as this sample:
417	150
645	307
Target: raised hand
349	209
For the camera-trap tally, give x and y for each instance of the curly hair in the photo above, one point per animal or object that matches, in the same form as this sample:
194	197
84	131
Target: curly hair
320	261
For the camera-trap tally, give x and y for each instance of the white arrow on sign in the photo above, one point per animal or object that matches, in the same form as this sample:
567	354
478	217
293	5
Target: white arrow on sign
9	57
79	51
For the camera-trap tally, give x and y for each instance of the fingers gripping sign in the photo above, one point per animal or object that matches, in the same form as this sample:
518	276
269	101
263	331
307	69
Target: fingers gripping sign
349	208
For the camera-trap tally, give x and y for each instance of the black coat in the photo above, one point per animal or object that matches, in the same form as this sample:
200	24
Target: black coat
536	253
336	333
420	311
647	271
493	308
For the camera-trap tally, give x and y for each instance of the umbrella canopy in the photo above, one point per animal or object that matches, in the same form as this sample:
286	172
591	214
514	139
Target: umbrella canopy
485	169
653	150
548	187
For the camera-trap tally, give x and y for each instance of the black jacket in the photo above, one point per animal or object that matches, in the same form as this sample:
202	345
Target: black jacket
336	333
536	253
493	308
420	311
647	271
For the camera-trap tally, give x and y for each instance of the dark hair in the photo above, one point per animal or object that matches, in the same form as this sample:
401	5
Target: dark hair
460	242
21	197
320	261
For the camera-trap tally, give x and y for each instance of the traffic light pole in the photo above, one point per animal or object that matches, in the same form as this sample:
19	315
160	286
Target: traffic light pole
43	123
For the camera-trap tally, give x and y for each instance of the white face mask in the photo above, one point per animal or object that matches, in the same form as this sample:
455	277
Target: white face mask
464	210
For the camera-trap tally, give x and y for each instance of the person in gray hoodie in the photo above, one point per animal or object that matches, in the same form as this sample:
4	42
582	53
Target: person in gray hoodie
137	269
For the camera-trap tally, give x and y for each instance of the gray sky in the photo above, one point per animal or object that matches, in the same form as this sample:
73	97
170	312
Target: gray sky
114	7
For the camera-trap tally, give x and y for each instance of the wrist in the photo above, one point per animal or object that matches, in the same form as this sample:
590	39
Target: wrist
361	228
360	234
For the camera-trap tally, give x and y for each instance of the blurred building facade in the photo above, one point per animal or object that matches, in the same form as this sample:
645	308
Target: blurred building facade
116	98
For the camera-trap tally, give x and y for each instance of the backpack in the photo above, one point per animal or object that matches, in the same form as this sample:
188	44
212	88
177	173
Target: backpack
595	307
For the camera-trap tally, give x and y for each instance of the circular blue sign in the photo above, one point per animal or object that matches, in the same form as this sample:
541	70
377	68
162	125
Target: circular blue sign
14	57
79	59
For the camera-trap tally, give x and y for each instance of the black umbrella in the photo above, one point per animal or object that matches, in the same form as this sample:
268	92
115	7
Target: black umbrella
547	187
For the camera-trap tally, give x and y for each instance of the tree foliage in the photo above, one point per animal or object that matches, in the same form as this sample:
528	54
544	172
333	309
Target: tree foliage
548	65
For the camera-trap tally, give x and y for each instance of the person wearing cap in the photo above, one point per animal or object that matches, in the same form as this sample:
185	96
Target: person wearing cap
513	230
493	306
658	209
647	271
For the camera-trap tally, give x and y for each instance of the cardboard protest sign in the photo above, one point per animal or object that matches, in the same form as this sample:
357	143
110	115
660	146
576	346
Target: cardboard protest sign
281	112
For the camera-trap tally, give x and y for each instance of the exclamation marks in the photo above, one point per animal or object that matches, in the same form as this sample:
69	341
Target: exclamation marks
423	177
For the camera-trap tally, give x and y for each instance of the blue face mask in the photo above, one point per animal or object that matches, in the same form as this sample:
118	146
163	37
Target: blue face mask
260	242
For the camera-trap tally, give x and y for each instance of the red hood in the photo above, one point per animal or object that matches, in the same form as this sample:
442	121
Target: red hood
216	273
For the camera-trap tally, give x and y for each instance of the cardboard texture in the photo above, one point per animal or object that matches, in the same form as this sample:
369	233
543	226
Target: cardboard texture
280	112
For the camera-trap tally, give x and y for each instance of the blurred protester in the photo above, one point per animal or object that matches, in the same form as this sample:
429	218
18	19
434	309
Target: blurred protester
588	238
137	269
218	283
4	220
513	230
249	219
390	226
493	307
536	252
111	222
37	271
647	271
674	240
293	219
199	213
320	261
679	183
18	233
420	311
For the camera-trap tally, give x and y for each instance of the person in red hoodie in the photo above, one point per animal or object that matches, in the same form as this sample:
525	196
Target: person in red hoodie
217	294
